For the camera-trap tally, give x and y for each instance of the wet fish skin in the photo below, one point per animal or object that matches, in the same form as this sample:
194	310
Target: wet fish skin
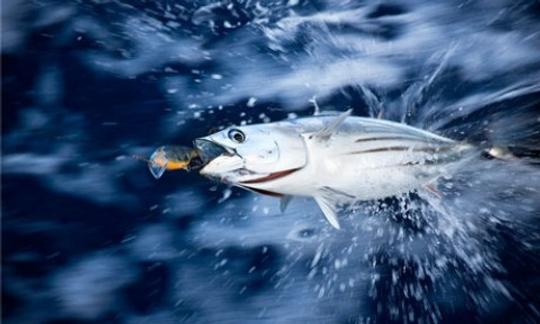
335	159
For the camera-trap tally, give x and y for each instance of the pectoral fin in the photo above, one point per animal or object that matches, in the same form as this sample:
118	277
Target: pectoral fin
327	131
284	202
329	210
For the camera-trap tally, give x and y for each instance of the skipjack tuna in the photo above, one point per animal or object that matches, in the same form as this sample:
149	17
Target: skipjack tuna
334	158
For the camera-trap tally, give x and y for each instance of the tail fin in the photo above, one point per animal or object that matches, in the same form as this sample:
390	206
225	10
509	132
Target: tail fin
513	154
507	129
500	153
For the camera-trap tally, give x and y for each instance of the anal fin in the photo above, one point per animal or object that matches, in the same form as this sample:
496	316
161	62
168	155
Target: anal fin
329	210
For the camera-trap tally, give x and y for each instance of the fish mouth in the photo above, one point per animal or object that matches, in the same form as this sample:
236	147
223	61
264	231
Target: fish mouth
219	161
209	150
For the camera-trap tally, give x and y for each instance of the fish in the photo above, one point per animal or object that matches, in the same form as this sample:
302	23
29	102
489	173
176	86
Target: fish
334	158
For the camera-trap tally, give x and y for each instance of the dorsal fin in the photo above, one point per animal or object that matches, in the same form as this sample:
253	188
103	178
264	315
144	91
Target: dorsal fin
328	208
328	130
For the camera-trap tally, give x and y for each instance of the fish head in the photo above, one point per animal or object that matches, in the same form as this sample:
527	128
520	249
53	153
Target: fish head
244	154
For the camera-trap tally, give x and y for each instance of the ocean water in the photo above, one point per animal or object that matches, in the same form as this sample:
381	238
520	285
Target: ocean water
89	236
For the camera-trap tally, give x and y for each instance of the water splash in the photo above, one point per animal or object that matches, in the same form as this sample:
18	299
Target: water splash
469	71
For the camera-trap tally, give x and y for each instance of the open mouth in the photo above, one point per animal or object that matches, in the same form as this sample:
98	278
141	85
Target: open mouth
218	161
209	150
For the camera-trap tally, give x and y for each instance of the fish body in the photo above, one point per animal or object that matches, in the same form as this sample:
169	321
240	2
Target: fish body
336	159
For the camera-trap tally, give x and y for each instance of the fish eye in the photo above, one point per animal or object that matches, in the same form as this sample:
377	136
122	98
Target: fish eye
237	135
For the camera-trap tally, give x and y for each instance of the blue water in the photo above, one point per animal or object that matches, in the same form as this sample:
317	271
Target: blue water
89	236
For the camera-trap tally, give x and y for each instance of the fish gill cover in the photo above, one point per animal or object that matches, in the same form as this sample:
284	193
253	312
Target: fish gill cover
89	236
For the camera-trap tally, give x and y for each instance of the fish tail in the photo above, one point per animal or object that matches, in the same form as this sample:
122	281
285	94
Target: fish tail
511	153
500	153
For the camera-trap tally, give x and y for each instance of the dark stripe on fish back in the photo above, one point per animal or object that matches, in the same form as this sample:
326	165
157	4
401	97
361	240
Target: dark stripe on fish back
431	150
388	138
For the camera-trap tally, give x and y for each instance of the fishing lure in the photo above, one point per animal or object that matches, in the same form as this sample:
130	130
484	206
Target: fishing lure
173	157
